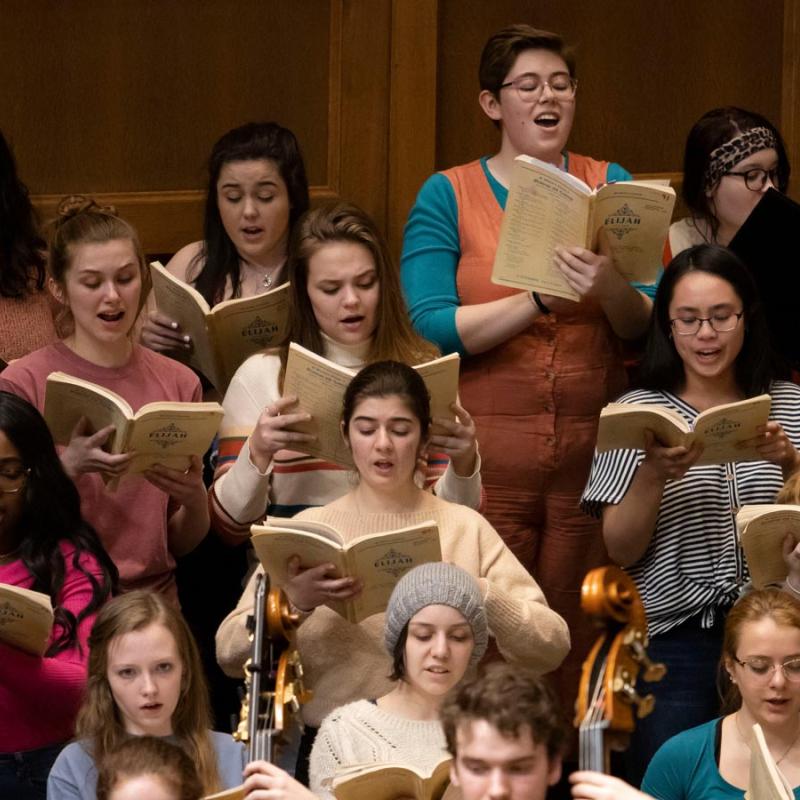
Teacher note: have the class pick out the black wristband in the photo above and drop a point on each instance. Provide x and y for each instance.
(539, 304)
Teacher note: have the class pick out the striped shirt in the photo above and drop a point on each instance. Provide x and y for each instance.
(693, 564)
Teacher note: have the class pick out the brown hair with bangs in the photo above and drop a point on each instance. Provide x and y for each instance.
(99, 719)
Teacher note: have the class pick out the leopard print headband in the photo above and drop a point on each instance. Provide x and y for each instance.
(727, 155)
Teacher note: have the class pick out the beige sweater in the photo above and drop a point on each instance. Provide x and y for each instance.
(345, 662)
(362, 733)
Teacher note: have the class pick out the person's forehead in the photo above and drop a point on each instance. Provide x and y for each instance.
(479, 738)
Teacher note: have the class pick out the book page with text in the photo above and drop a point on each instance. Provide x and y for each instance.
(543, 211)
(319, 386)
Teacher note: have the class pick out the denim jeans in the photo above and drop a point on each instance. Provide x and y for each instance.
(687, 695)
(23, 776)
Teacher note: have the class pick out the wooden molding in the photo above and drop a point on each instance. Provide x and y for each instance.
(412, 111)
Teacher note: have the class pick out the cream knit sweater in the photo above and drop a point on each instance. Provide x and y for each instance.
(345, 662)
(361, 733)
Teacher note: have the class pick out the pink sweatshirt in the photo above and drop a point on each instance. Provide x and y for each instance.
(39, 697)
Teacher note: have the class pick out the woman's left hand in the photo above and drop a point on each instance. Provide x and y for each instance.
(590, 274)
(459, 443)
(265, 781)
(185, 488)
(774, 445)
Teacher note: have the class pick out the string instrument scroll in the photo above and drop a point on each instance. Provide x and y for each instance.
(607, 701)
(273, 674)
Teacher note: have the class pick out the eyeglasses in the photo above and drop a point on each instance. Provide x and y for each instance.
(761, 669)
(755, 179)
(12, 476)
(530, 87)
(721, 323)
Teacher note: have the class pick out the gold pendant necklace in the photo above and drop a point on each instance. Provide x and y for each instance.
(747, 744)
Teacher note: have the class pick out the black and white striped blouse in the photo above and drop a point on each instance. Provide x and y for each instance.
(693, 564)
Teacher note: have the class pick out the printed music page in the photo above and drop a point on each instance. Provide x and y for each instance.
(544, 211)
(762, 530)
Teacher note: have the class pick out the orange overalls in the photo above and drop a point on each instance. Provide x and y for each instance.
(536, 399)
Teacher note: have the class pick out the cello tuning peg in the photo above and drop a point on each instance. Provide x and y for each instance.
(653, 670)
(644, 705)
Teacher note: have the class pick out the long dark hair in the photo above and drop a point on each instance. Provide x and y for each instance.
(51, 516)
(662, 367)
(218, 259)
(21, 246)
(712, 130)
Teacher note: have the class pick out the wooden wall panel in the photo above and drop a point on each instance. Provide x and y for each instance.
(647, 71)
(124, 105)
(123, 100)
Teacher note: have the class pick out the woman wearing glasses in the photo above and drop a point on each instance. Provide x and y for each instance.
(671, 523)
(761, 670)
(732, 157)
(45, 546)
(536, 369)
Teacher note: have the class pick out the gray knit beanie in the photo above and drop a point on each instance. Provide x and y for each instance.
(431, 584)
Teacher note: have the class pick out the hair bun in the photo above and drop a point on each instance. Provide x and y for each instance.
(75, 204)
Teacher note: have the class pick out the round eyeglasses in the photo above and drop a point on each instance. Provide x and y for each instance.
(12, 477)
(530, 87)
(760, 669)
(755, 179)
(720, 323)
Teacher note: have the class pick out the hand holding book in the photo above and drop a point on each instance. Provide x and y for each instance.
(309, 587)
(274, 431)
(163, 334)
(669, 463)
(774, 445)
(85, 453)
(457, 440)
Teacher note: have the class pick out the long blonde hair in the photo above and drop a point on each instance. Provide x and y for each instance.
(99, 719)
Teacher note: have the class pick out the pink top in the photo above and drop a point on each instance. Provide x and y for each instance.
(40, 697)
(131, 521)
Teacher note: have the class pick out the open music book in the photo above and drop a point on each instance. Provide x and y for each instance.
(391, 781)
(166, 432)
(320, 386)
(766, 781)
(721, 429)
(222, 337)
(378, 559)
(26, 618)
(549, 208)
(762, 529)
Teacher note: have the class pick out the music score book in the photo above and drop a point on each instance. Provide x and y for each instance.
(722, 429)
(762, 529)
(766, 781)
(549, 208)
(320, 386)
(222, 337)
(379, 560)
(167, 432)
(391, 781)
(26, 618)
